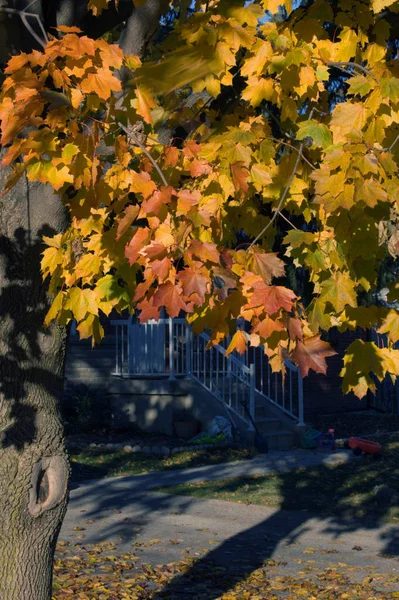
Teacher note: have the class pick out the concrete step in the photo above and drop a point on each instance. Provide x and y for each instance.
(280, 440)
(88, 354)
(266, 424)
(79, 365)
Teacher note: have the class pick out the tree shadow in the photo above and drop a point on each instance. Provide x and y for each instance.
(23, 306)
(321, 505)
(296, 518)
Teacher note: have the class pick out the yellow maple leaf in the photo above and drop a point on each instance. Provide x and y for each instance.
(81, 302)
(346, 117)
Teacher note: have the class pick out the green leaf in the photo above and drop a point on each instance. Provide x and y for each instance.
(319, 133)
(339, 290)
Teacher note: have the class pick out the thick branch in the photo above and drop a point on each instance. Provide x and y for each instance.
(141, 26)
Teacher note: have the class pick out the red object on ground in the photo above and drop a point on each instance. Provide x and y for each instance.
(364, 446)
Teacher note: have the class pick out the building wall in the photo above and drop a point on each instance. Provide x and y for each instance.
(322, 393)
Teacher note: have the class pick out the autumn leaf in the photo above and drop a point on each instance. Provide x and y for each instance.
(295, 329)
(267, 326)
(91, 327)
(238, 342)
(193, 282)
(125, 222)
(267, 265)
(272, 298)
(142, 183)
(102, 83)
(145, 102)
(319, 133)
(68, 29)
(55, 308)
(205, 251)
(339, 289)
(97, 6)
(81, 302)
(171, 156)
(240, 176)
(169, 295)
(133, 248)
(312, 354)
(362, 359)
(390, 326)
(148, 310)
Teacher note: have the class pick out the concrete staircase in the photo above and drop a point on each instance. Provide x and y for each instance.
(89, 371)
(280, 431)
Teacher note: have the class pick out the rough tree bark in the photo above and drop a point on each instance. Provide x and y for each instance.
(33, 463)
(34, 470)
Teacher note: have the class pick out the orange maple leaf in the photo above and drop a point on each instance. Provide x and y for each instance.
(139, 239)
(193, 282)
(265, 264)
(145, 102)
(205, 251)
(169, 295)
(131, 213)
(272, 297)
(239, 176)
(267, 326)
(102, 83)
(154, 203)
(312, 354)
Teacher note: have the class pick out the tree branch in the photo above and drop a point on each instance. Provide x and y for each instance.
(23, 15)
(393, 144)
(311, 165)
(342, 64)
(141, 26)
(131, 135)
(282, 199)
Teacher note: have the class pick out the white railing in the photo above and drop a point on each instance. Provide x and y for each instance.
(226, 377)
(168, 347)
(152, 348)
(282, 390)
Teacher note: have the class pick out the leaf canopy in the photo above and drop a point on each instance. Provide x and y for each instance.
(268, 123)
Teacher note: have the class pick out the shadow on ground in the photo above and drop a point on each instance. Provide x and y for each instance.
(322, 496)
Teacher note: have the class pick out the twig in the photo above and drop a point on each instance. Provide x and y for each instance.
(340, 65)
(287, 220)
(144, 149)
(283, 197)
(393, 144)
(293, 148)
(23, 15)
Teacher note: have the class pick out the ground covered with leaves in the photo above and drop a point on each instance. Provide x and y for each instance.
(86, 572)
(364, 488)
(93, 463)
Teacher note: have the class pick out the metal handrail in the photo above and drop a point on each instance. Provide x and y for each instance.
(169, 348)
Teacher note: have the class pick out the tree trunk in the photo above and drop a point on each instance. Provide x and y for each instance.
(33, 464)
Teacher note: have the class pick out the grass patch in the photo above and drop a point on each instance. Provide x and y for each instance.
(94, 463)
(346, 490)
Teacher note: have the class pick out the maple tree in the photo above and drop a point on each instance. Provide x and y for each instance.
(245, 117)
(153, 224)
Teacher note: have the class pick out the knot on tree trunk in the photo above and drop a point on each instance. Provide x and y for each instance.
(49, 483)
